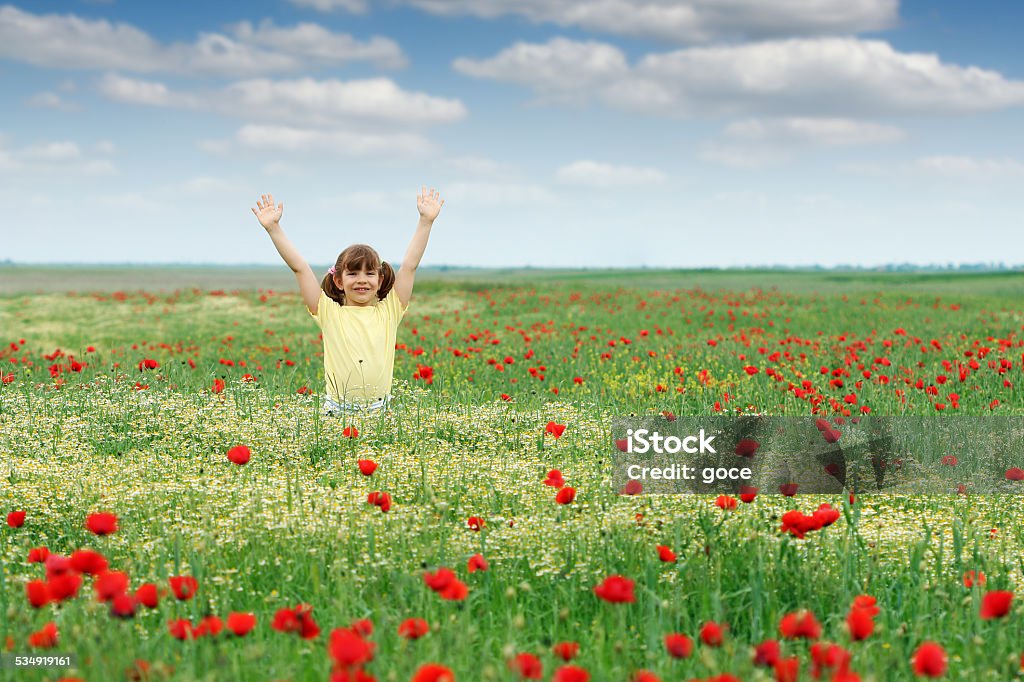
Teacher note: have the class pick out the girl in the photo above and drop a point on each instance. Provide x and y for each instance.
(358, 306)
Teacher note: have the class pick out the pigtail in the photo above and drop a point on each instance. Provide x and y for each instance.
(331, 289)
(387, 280)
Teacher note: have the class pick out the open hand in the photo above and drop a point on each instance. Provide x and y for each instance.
(269, 215)
(427, 203)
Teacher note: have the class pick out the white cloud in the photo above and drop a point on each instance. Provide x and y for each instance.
(304, 101)
(52, 152)
(595, 174)
(69, 41)
(287, 139)
(683, 21)
(50, 100)
(496, 193)
(811, 77)
(56, 157)
(352, 6)
(105, 147)
(951, 167)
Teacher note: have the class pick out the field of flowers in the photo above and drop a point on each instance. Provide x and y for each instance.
(176, 508)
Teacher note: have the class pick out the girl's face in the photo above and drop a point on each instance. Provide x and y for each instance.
(360, 286)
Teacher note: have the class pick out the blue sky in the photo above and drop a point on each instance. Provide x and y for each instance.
(560, 132)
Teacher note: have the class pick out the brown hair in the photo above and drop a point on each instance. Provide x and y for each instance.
(357, 257)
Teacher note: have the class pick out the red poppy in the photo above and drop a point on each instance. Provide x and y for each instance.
(527, 666)
(413, 628)
(566, 650)
(148, 364)
(930, 660)
(554, 429)
(802, 624)
(996, 604)
(972, 577)
(826, 656)
(367, 466)
(475, 523)
(1015, 474)
(88, 561)
(565, 495)
(767, 653)
(860, 623)
(63, 586)
(217, 386)
(350, 432)
(109, 584)
(38, 555)
(456, 590)
(788, 489)
(16, 519)
(382, 500)
(433, 672)
(38, 593)
(180, 629)
(239, 454)
(477, 562)
(678, 645)
(788, 670)
(44, 638)
(554, 479)
(122, 605)
(644, 676)
(633, 487)
(571, 673)
(348, 649)
(241, 624)
(147, 595)
(616, 589)
(712, 634)
(183, 586)
(102, 523)
(666, 554)
(747, 447)
(210, 625)
(298, 620)
(949, 460)
(725, 502)
(748, 493)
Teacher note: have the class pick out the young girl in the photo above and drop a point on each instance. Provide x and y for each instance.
(358, 306)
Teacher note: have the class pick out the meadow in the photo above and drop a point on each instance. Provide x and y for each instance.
(472, 532)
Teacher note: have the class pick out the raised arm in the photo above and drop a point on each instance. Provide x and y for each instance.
(269, 216)
(428, 206)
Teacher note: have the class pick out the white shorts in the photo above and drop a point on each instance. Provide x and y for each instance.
(333, 409)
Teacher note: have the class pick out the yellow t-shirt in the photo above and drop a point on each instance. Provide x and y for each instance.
(359, 347)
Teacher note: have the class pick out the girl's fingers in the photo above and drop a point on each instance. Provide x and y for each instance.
(271, 200)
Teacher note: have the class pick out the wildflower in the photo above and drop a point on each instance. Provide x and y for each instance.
(616, 589)
(102, 523)
(239, 454)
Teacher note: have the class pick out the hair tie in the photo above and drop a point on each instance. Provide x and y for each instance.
(331, 271)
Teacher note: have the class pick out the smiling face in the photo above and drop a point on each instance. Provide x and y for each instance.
(360, 284)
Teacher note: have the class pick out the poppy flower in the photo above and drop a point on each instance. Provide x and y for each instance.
(527, 666)
(350, 432)
(109, 584)
(616, 589)
(217, 386)
(860, 624)
(413, 628)
(477, 562)
(798, 625)
(241, 624)
(38, 593)
(827, 656)
(367, 467)
(210, 625)
(1015, 474)
(183, 586)
(554, 479)
(565, 495)
(996, 604)
(433, 672)
(554, 429)
(382, 500)
(122, 605)
(298, 619)
(632, 487)
(63, 586)
(88, 561)
(930, 660)
(148, 363)
(16, 519)
(747, 447)
(239, 454)
(566, 650)
(147, 595)
(950, 460)
(102, 523)
(456, 590)
(972, 577)
(666, 554)
(767, 653)
(475, 523)
(725, 502)
(571, 673)
(788, 670)
(788, 489)
(37, 555)
(180, 629)
(44, 638)
(678, 645)
(644, 676)
(748, 493)
(831, 435)
(712, 634)
(348, 649)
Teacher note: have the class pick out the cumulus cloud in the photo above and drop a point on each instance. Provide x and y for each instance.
(596, 174)
(69, 41)
(815, 77)
(351, 6)
(62, 156)
(286, 139)
(958, 168)
(677, 21)
(50, 100)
